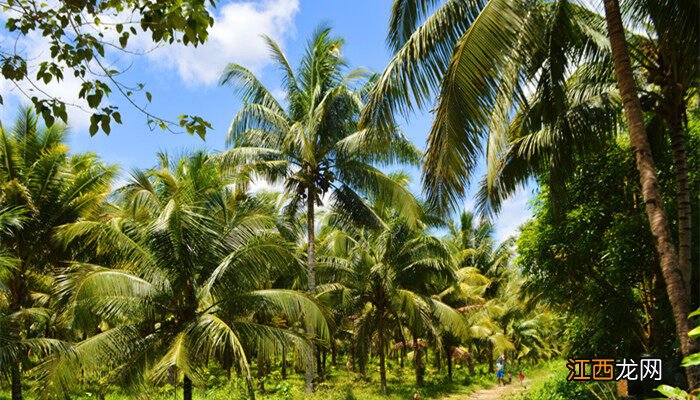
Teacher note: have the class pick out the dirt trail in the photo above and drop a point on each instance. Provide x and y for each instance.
(493, 393)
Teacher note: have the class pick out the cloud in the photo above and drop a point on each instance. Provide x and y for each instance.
(235, 37)
(514, 212)
(34, 48)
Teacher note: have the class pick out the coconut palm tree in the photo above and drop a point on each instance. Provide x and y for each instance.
(42, 187)
(530, 326)
(178, 276)
(669, 55)
(480, 274)
(654, 205)
(478, 56)
(313, 144)
(387, 276)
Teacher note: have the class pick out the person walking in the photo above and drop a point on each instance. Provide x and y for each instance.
(501, 370)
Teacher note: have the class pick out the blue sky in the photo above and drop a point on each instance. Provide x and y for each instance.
(183, 80)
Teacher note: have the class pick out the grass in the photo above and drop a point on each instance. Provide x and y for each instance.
(539, 377)
(339, 385)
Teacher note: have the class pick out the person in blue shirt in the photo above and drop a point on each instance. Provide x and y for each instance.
(501, 370)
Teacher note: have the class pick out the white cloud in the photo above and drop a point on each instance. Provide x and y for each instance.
(514, 212)
(235, 37)
(35, 48)
(258, 185)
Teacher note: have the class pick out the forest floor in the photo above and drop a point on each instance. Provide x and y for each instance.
(342, 385)
(537, 377)
(493, 393)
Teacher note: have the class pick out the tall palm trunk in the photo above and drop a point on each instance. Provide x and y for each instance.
(16, 383)
(18, 296)
(672, 273)
(418, 360)
(284, 362)
(470, 362)
(680, 164)
(311, 235)
(382, 361)
(448, 360)
(187, 388)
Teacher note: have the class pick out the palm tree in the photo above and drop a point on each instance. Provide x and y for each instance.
(669, 56)
(481, 267)
(313, 144)
(387, 276)
(478, 56)
(654, 205)
(178, 273)
(530, 326)
(42, 187)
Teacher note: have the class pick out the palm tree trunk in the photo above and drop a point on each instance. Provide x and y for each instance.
(284, 362)
(418, 360)
(448, 361)
(249, 385)
(311, 238)
(187, 388)
(16, 378)
(261, 374)
(685, 232)
(675, 287)
(310, 203)
(18, 296)
(334, 353)
(470, 365)
(319, 364)
(489, 354)
(382, 362)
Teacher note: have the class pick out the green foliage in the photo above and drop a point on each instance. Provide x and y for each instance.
(314, 144)
(589, 251)
(383, 279)
(80, 44)
(478, 57)
(42, 187)
(185, 280)
(558, 388)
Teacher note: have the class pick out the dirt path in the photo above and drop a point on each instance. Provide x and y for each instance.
(493, 393)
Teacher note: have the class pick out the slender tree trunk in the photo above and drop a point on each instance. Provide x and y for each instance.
(284, 362)
(311, 235)
(249, 385)
(319, 364)
(675, 286)
(418, 360)
(187, 388)
(16, 377)
(685, 232)
(324, 359)
(437, 360)
(311, 227)
(448, 361)
(334, 353)
(18, 297)
(261, 374)
(227, 364)
(382, 362)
